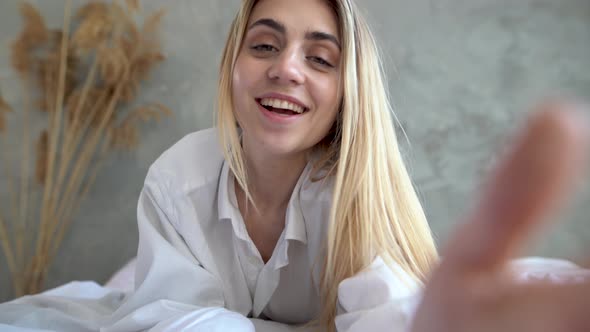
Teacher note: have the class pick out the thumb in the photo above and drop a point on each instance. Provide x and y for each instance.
(525, 188)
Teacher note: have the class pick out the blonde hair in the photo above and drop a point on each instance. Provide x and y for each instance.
(375, 209)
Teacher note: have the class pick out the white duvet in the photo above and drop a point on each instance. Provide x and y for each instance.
(87, 306)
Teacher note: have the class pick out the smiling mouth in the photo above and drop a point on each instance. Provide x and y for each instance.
(281, 107)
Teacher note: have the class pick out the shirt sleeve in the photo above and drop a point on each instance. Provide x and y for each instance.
(379, 298)
(173, 290)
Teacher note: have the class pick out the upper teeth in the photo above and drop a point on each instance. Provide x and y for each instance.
(277, 103)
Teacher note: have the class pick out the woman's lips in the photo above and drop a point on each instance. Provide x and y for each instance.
(280, 96)
(276, 117)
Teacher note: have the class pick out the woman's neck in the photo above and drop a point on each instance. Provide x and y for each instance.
(271, 179)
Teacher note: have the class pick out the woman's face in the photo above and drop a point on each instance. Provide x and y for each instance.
(286, 79)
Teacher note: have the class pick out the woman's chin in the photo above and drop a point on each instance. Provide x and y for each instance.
(284, 150)
(276, 144)
(280, 146)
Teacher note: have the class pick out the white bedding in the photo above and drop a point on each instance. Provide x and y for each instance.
(525, 269)
(123, 279)
(89, 304)
(548, 269)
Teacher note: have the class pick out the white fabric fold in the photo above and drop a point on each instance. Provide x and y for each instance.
(377, 299)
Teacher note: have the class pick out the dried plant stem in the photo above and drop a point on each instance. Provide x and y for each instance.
(67, 218)
(82, 128)
(24, 190)
(12, 267)
(9, 179)
(7, 243)
(87, 152)
(71, 136)
(30, 234)
(79, 131)
(39, 268)
(73, 129)
(7, 247)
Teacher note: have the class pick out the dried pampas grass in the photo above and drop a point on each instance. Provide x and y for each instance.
(86, 82)
(4, 108)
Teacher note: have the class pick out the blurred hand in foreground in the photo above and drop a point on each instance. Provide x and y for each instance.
(471, 290)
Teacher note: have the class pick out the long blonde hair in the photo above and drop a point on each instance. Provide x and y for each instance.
(375, 210)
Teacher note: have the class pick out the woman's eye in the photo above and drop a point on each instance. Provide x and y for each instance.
(264, 48)
(320, 61)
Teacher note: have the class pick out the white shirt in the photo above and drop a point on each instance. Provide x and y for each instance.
(192, 188)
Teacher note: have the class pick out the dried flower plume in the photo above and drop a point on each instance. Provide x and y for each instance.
(86, 81)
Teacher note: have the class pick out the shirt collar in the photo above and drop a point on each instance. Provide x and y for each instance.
(224, 205)
(295, 228)
(227, 206)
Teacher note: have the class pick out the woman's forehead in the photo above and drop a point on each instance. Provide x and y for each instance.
(299, 15)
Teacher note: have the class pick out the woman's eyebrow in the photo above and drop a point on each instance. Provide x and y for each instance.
(280, 27)
(320, 36)
(269, 22)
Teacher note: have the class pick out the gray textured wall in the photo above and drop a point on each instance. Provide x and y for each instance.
(462, 75)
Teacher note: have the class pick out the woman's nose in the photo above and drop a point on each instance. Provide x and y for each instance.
(287, 69)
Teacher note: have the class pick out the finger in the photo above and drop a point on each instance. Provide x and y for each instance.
(526, 187)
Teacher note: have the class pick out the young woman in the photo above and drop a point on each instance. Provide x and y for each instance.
(297, 210)
(298, 206)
